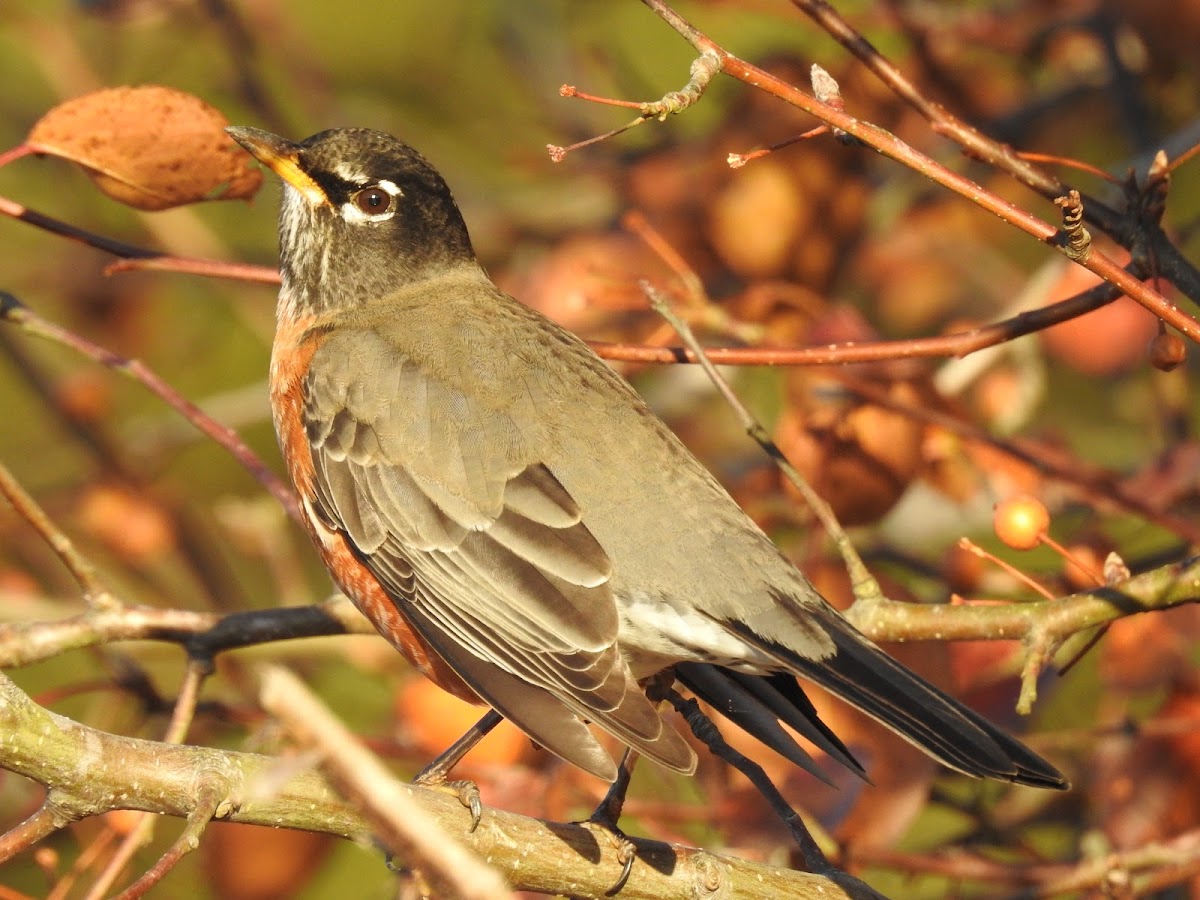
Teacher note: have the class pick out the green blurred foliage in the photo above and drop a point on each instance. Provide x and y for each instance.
(474, 84)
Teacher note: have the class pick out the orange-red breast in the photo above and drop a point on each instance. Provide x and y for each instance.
(509, 513)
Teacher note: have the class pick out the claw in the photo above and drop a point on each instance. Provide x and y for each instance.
(626, 851)
(467, 793)
(626, 854)
(468, 796)
(435, 774)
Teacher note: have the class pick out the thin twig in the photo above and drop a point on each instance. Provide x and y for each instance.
(864, 584)
(207, 804)
(976, 145)
(1101, 487)
(84, 862)
(207, 801)
(203, 634)
(46, 820)
(21, 213)
(133, 840)
(892, 147)
(957, 344)
(242, 53)
(14, 311)
(404, 828)
(134, 258)
(704, 68)
(1008, 568)
(95, 593)
(208, 268)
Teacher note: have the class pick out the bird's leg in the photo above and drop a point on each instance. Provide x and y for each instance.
(608, 812)
(605, 817)
(436, 771)
(435, 774)
(703, 728)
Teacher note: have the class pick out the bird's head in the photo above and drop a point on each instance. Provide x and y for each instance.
(362, 215)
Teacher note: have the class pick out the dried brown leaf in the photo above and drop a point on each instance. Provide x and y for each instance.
(149, 147)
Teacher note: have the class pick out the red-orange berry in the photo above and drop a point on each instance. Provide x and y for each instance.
(1021, 521)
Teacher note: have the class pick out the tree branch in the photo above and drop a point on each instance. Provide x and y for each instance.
(88, 772)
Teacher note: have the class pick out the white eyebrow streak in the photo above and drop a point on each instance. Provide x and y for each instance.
(347, 172)
(391, 187)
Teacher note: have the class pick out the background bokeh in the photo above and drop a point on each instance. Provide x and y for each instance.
(814, 243)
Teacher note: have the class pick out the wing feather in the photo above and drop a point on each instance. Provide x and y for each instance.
(569, 553)
(481, 547)
(536, 495)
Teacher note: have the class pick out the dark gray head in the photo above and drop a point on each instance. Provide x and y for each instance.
(362, 215)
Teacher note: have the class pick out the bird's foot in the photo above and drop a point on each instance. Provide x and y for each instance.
(467, 793)
(436, 774)
(626, 851)
(604, 820)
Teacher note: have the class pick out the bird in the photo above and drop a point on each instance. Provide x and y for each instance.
(510, 514)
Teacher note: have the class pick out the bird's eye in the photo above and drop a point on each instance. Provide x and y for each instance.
(373, 201)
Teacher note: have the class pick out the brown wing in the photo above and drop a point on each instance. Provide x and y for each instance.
(479, 545)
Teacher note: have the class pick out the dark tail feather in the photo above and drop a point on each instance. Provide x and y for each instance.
(788, 701)
(781, 697)
(866, 677)
(729, 694)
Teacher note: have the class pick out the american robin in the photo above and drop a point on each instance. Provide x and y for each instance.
(510, 514)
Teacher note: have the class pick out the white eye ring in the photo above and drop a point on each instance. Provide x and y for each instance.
(376, 202)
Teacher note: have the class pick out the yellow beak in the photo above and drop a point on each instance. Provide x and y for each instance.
(281, 156)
